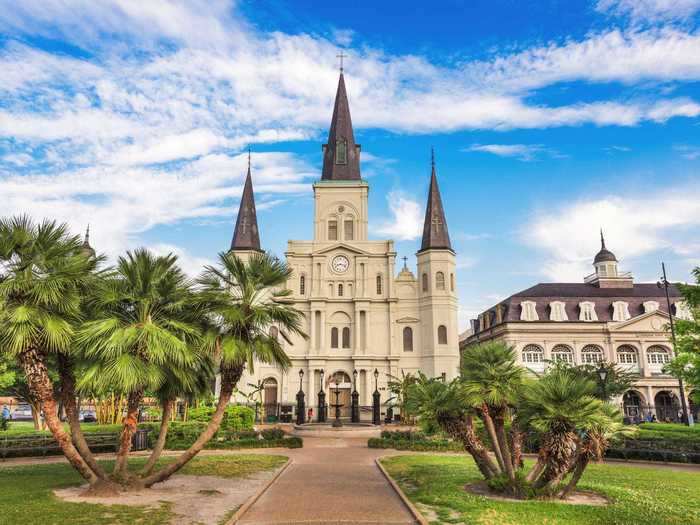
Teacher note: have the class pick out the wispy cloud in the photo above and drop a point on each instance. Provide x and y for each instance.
(407, 221)
(650, 10)
(688, 152)
(524, 152)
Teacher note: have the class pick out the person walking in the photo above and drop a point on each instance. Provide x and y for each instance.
(6, 413)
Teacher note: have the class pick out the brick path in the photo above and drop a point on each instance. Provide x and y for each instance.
(330, 481)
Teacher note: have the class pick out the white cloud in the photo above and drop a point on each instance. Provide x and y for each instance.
(524, 152)
(651, 10)
(407, 221)
(688, 152)
(190, 264)
(633, 225)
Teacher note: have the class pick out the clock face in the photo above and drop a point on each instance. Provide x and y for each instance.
(340, 264)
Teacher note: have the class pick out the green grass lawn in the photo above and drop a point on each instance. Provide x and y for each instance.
(26, 492)
(639, 495)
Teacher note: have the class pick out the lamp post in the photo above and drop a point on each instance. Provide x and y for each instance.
(355, 406)
(301, 406)
(663, 283)
(321, 402)
(603, 374)
(337, 423)
(375, 400)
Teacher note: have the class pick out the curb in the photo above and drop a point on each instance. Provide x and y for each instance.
(411, 507)
(244, 508)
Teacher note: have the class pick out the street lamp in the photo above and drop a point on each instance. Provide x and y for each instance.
(663, 283)
(603, 374)
(301, 406)
(376, 399)
(321, 402)
(376, 376)
(301, 378)
(355, 400)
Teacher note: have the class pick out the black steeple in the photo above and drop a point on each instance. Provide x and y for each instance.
(246, 236)
(435, 234)
(86, 248)
(341, 156)
(604, 255)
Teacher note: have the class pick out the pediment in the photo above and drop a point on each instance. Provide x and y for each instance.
(407, 319)
(342, 246)
(649, 322)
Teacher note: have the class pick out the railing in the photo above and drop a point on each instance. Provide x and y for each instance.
(634, 414)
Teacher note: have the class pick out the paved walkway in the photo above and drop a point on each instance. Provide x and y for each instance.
(330, 481)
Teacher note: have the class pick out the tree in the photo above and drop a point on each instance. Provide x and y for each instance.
(686, 363)
(559, 409)
(400, 387)
(617, 380)
(42, 273)
(145, 332)
(246, 299)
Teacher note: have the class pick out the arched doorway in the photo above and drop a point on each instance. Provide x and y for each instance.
(270, 399)
(342, 381)
(632, 406)
(667, 406)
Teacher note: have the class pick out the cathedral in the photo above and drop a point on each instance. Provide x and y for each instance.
(365, 323)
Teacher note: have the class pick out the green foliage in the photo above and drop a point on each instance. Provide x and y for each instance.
(418, 445)
(4, 423)
(491, 376)
(638, 496)
(617, 381)
(686, 364)
(401, 387)
(272, 433)
(236, 418)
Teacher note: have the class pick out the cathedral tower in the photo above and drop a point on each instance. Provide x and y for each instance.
(246, 238)
(437, 295)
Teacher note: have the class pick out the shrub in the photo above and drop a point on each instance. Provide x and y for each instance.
(4, 423)
(236, 418)
(272, 433)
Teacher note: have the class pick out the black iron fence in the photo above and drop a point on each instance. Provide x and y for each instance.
(634, 414)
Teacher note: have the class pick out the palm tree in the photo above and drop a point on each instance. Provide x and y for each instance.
(247, 299)
(400, 387)
(145, 330)
(442, 404)
(491, 383)
(42, 272)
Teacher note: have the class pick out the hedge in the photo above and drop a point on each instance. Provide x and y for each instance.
(236, 418)
(418, 445)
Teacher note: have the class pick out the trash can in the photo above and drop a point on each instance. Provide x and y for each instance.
(139, 440)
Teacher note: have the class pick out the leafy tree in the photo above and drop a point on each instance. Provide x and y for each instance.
(246, 299)
(400, 387)
(686, 364)
(617, 381)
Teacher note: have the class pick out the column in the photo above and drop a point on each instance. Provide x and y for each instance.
(357, 336)
(313, 344)
(643, 363)
(367, 333)
(322, 341)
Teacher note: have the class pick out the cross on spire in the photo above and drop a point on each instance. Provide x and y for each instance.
(248, 159)
(405, 264)
(341, 56)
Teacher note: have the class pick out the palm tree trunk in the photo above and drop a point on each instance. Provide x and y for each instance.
(162, 435)
(463, 431)
(500, 427)
(39, 382)
(561, 448)
(581, 464)
(516, 445)
(491, 429)
(65, 372)
(229, 379)
(130, 422)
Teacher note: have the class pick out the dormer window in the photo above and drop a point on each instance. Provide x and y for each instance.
(557, 311)
(621, 311)
(587, 311)
(341, 151)
(650, 306)
(528, 311)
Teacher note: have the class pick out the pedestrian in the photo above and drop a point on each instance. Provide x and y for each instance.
(310, 414)
(6, 413)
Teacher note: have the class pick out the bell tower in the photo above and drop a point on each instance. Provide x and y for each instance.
(437, 293)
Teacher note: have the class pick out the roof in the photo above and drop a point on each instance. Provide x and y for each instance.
(341, 134)
(435, 233)
(245, 234)
(604, 255)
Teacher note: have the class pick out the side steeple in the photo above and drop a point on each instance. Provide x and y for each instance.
(435, 234)
(341, 156)
(245, 235)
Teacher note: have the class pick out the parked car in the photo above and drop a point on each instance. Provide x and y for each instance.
(22, 413)
(88, 416)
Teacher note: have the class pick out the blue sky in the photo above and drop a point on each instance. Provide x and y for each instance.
(549, 120)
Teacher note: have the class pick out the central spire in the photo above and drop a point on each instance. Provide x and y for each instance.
(246, 236)
(341, 156)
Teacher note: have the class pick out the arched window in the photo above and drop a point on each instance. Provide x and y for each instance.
(332, 230)
(627, 355)
(408, 339)
(440, 281)
(658, 355)
(274, 332)
(424, 279)
(346, 337)
(533, 354)
(334, 337)
(563, 353)
(379, 284)
(591, 355)
(341, 151)
(340, 290)
(452, 282)
(442, 334)
(302, 285)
